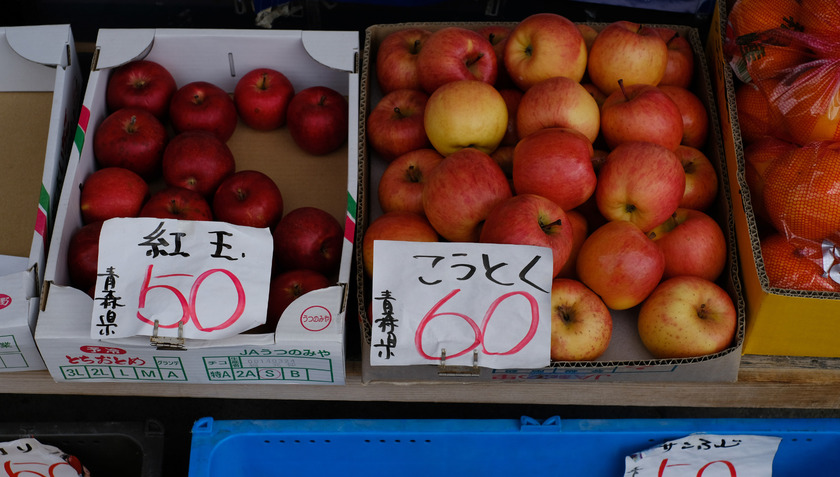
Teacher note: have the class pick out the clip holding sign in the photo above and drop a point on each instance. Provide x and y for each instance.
(449, 370)
(168, 343)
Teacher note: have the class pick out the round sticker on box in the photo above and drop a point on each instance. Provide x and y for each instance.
(5, 300)
(315, 318)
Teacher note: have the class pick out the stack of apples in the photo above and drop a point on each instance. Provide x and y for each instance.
(786, 57)
(162, 152)
(551, 133)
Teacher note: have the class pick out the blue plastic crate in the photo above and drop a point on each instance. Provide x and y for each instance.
(574, 447)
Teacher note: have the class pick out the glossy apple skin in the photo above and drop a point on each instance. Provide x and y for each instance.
(498, 36)
(455, 53)
(402, 182)
(396, 225)
(249, 198)
(641, 112)
(285, 288)
(308, 237)
(694, 115)
(83, 256)
(687, 317)
(204, 106)
(679, 69)
(317, 120)
(620, 263)
(140, 84)
(112, 192)
(262, 97)
(580, 230)
(396, 59)
(693, 244)
(581, 324)
(177, 203)
(701, 178)
(197, 160)
(629, 51)
(395, 126)
(461, 191)
(131, 138)
(558, 102)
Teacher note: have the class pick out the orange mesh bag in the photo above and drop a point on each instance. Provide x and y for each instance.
(796, 264)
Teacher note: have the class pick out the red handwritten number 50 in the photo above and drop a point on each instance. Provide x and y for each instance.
(478, 331)
(188, 307)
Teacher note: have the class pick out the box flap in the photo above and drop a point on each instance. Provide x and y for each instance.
(330, 48)
(123, 46)
(41, 43)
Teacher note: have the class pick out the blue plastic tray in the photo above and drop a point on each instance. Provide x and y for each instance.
(574, 447)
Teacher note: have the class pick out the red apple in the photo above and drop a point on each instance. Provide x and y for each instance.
(131, 138)
(701, 178)
(589, 33)
(529, 219)
(401, 184)
(83, 256)
(679, 69)
(203, 106)
(694, 116)
(177, 203)
(310, 238)
(112, 192)
(461, 191)
(542, 46)
(580, 230)
(455, 53)
(396, 225)
(317, 119)
(558, 102)
(555, 163)
(249, 198)
(287, 287)
(140, 84)
(497, 35)
(396, 59)
(395, 126)
(503, 155)
(197, 160)
(641, 112)
(620, 263)
(596, 94)
(581, 324)
(641, 182)
(693, 244)
(687, 317)
(261, 98)
(628, 51)
(512, 99)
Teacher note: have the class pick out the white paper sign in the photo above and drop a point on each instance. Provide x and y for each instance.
(212, 277)
(457, 298)
(706, 455)
(30, 458)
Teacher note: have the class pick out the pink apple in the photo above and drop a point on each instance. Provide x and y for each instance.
(396, 59)
(701, 178)
(581, 324)
(679, 69)
(396, 225)
(596, 94)
(641, 112)
(693, 244)
(580, 230)
(558, 102)
(512, 99)
(203, 106)
(83, 256)
(177, 203)
(262, 97)
(197, 160)
(131, 138)
(503, 155)
(455, 53)
(687, 317)
(589, 33)
(498, 35)
(112, 192)
(542, 46)
(401, 184)
(249, 198)
(620, 263)
(628, 51)
(395, 126)
(694, 115)
(140, 84)
(555, 163)
(308, 237)
(317, 120)
(461, 191)
(641, 182)
(529, 219)
(287, 287)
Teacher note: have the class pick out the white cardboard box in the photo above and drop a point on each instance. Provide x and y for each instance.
(294, 354)
(40, 94)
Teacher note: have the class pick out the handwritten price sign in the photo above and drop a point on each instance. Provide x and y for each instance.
(461, 298)
(29, 458)
(211, 278)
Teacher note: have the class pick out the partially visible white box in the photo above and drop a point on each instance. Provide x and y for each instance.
(40, 94)
(297, 352)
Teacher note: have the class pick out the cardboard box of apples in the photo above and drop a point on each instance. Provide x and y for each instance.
(598, 141)
(777, 85)
(256, 130)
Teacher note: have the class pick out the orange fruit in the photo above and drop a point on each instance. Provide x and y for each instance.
(752, 16)
(794, 264)
(758, 156)
(802, 193)
(820, 17)
(810, 103)
(757, 116)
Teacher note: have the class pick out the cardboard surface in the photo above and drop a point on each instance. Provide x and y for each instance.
(626, 359)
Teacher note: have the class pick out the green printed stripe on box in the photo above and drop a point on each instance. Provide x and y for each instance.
(81, 129)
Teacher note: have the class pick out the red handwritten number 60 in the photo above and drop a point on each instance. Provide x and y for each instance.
(478, 331)
(188, 307)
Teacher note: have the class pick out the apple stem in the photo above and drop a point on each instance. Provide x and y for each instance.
(263, 81)
(676, 34)
(413, 173)
(132, 124)
(621, 87)
(416, 49)
(475, 60)
(398, 112)
(547, 227)
(701, 313)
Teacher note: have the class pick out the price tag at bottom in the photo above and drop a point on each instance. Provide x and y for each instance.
(460, 298)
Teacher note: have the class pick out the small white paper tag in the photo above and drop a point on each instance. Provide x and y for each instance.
(212, 277)
(28, 457)
(457, 298)
(706, 455)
